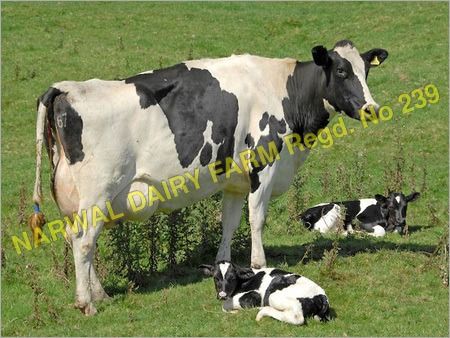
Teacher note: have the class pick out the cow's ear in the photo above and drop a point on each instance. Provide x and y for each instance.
(380, 198)
(375, 57)
(320, 56)
(244, 273)
(208, 270)
(412, 197)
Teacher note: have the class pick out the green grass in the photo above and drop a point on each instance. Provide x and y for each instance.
(387, 287)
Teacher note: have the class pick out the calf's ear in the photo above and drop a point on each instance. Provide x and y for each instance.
(320, 56)
(380, 198)
(412, 197)
(244, 273)
(375, 57)
(208, 270)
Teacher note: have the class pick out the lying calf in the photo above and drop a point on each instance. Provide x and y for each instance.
(375, 215)
(280, 294)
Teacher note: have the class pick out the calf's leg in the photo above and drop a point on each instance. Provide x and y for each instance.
(283, 308)
(288, 316)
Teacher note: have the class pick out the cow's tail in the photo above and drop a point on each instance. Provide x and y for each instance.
(37, 220)
(40, 125)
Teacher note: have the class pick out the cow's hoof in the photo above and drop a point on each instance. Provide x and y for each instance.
(86, 309)
(258, 266)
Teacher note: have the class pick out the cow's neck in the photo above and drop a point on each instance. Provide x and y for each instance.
(304, 107)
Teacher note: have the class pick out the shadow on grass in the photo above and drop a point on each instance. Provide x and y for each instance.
(188, 273)
(349, 246)
(181, 274)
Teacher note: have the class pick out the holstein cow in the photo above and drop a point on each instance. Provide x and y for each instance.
(281, 295)
(375, 215)
(178, 128)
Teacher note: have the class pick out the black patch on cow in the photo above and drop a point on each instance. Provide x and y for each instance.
(48, 97)
(253, 283)
(279, 282)
(249, 141)
(351, 210)
(206, 154)
(275, 127)
(263, 122)
(317, 305)
(276, 272)
(303, 107)
(70, 127)
(250, 299)
(190, 98)
(312, 215)
(371, 216)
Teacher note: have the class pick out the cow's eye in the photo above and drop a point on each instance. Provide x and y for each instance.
(341, 73)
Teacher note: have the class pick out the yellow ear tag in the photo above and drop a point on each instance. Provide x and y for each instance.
(375, 61)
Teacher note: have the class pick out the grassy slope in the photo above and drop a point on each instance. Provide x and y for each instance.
(381, 287)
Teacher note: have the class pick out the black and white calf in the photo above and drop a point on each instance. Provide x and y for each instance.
(279, 294)
(375, 215)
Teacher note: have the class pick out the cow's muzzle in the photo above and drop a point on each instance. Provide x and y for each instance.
(222, 295)
(369, 111)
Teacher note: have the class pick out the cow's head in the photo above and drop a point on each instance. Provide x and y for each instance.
(398, 204)
(346, 73)
(227, 277)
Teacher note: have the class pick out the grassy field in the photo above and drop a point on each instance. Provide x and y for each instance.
(391, 286)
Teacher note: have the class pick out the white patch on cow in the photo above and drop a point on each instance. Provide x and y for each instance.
(378, 231)
(365, 203)
(397, 198)
(264, 285)
(329, 221)
(224, 268)
(351, 54)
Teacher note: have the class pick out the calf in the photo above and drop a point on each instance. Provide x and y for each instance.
(279, 294)
(375, 215)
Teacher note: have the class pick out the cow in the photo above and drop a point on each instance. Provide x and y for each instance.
(181, 127)
(279, 294)
(376, 215)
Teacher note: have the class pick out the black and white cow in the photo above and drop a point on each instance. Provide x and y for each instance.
(281, 295)
(375, 215)
(179, 127)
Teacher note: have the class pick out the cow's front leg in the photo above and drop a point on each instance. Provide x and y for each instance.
(231, 217)
(258, 202)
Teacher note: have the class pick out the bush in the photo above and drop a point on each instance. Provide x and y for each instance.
(133, 251)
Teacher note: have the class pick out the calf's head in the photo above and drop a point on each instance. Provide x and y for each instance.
(227, 277)
(346, 72)
(398, 204)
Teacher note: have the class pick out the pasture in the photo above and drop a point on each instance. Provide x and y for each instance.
(390, 286)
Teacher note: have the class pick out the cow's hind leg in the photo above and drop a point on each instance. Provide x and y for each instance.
(83, 246)
(231, 217)
(97, 291)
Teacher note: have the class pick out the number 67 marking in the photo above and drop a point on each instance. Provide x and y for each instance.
(61, 120)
